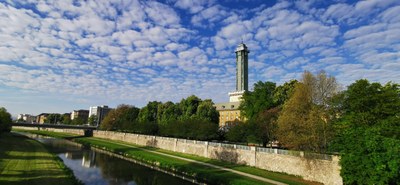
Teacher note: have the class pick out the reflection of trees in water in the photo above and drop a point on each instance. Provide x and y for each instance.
(119, 171)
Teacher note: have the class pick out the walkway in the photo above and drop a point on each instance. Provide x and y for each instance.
(207, 164)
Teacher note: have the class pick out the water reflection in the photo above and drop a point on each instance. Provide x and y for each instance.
(97, 168)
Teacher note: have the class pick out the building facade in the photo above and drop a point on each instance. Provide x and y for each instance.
(229, 113)
(41, 118)
(82, 114)
(26, 118)
(100, 112)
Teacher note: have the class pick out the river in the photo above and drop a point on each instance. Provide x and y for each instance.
(97, 167)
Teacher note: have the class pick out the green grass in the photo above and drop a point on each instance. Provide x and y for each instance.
(199, 171)
(48, 133)
(27, 161)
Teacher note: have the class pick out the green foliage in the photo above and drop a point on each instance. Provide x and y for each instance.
(78, 121)
(92, 120)
(5, 120)
(53, 118)
(206, 111)
(190, 129)
(149, 112)
(122, 118)
(189, 107)
(262, 98)
(237, 133)
(66, 119)
(368, 133)
(283, 92)
(167, 112)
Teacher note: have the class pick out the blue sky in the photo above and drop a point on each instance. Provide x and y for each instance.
(57, 56)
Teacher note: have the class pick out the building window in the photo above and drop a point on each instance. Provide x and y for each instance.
(232, 106)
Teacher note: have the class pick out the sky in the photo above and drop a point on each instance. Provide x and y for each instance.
(59, 56)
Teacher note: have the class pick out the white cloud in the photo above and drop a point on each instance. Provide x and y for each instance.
(193, 6)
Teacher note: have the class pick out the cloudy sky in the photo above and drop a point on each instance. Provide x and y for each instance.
(56, 56)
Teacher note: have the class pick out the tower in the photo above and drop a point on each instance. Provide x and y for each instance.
(229, 113)
(242, 73)
(242, 61)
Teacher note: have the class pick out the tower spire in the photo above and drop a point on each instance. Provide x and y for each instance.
(242, 61)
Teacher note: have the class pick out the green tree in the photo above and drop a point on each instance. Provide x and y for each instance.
(189, 107)
(5, 120)
(368, 133)
(237, 133)
(93, 120)
(123, 118)
(149, 112)
(66, 119)
(78, 121)
(283, 92)
(167, 112)
(264, 126)
(53, 118)
(207, 111)
(304, 123)
(262, 98)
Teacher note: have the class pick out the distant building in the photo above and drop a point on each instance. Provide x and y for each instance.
(26, 118)
(100, 112)
(83, 114)
(41, 118)
(229, 113)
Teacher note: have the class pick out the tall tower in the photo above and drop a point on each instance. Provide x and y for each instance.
(242, 60)
(242, 73)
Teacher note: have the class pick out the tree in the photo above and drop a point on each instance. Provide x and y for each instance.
(53, 118)
(78, 121)
(66, 119)
(259, 100)
(124, 118)
(237, 133)
(304, 122)
(149, 112)
(368, 133)
(266, 125)
(189, 107)
(5, 120)
(207, 111)
(167, 112)
(283, 92)
(92, 120)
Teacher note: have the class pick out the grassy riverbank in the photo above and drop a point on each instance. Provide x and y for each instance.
(26, 161)
(208, 174)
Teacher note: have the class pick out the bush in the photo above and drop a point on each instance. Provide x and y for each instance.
(5, 120)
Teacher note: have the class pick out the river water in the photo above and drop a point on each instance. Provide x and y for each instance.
(96, 167)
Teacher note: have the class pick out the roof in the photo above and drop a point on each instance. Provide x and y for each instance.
(227, 106)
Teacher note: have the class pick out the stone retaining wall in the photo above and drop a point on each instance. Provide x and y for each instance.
(319, 170)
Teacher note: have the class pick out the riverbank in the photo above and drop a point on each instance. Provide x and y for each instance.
(26, 161)
(207, 170)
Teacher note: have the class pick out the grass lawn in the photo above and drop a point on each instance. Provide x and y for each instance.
(215, 176)
(26, 161)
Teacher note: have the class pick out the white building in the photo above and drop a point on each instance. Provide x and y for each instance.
(99, 111)
(26, 118)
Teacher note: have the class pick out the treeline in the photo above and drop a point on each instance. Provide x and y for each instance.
(55, 118)
(362, 123)
(191, 118)
(5, 120)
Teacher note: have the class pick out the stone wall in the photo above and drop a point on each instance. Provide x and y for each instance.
(320, 170)
(326, 171)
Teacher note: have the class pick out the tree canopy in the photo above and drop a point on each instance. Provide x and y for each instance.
(304, 122)
(5, 120)
(368, 133)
